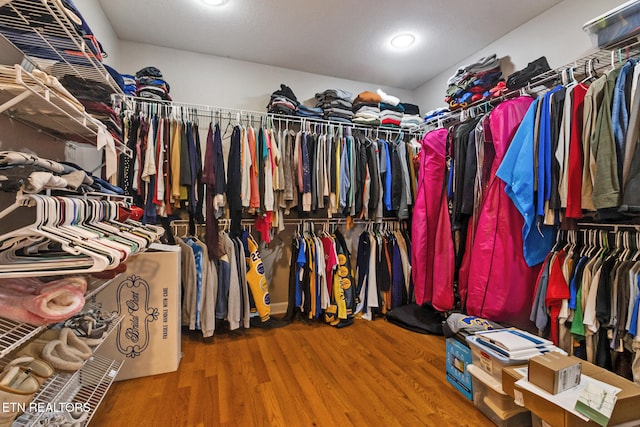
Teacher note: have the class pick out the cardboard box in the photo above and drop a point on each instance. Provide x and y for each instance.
(554, 372)
(625, 411)
(148, 296)
(458, 359)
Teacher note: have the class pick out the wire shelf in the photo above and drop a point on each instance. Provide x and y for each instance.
(15, 334)
(45, 33)
(85, 388)
(598, 60)
(95, 286)
(28, 99)
(87, 385)
(132, 103)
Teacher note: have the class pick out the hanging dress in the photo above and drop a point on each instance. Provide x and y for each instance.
(425, 212)
(500, 286)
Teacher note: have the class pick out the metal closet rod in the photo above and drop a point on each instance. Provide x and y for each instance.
(303, 120)
(208, 111)
(608, 227)
(200, 108)
(340, 220)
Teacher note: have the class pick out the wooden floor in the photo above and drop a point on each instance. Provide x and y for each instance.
(368, 374)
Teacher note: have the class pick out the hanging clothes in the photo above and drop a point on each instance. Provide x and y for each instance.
(501, 285)
(426, 212)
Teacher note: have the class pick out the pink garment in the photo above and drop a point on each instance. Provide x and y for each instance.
(444, 261)
(426, 211)
(500, 285)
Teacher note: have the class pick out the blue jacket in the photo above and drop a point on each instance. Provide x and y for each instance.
(516, 170)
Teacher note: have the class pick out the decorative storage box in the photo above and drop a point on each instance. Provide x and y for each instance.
(148, 296)
(616, 25)
(458, 359)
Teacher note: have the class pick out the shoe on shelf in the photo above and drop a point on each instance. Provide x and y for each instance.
(17, 388)
(40, 369)
(68, 352)
(91, 325)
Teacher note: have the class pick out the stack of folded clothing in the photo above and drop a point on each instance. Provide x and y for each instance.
(106, 115)
(96, 99)
(336, 104)
(472, 82)
(310, 112)
(283, 101)
(411, 117)
(390, 115)
(366, 109)
(129, 84)
(149, 84)
(435, 113)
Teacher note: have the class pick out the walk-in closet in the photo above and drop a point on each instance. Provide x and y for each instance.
(238, 212)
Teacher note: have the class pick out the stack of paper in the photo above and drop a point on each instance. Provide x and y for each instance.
(515, 343)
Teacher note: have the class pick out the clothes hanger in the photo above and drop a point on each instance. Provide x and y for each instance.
(82, 257)
(51, 225)
(99, 212)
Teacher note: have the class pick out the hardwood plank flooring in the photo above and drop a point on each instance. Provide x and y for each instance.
(370, 373)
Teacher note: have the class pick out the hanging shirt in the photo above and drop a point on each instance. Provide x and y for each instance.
(234, 312)
(306, 172)
(574, 181)
(335, 197)
(199, 262)
(245, 188)
(606, 185)
(257, 280)
(352, 168)
(149, 167)
(176, 147)
(254, 200)
(544, 155)
(592, 101)
(557, 290)
(159, 194)
(620, 113)
(301, 260)
(362, 271)
(556, 111)
(385, 170)
(234, 180)
(516, 170)
(564, 140)
(345, 177)
(289, 167)
(268, 174)
(220, 185)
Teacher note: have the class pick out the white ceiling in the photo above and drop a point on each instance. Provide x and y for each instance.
(341, 38)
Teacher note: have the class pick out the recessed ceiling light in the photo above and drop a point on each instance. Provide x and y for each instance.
(214, 2)
(403, 41)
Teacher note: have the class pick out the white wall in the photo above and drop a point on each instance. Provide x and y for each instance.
(213, 80)
(556, 34)
(94, 15)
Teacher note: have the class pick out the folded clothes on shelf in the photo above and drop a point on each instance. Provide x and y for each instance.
(32, 174)
(283, 101)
